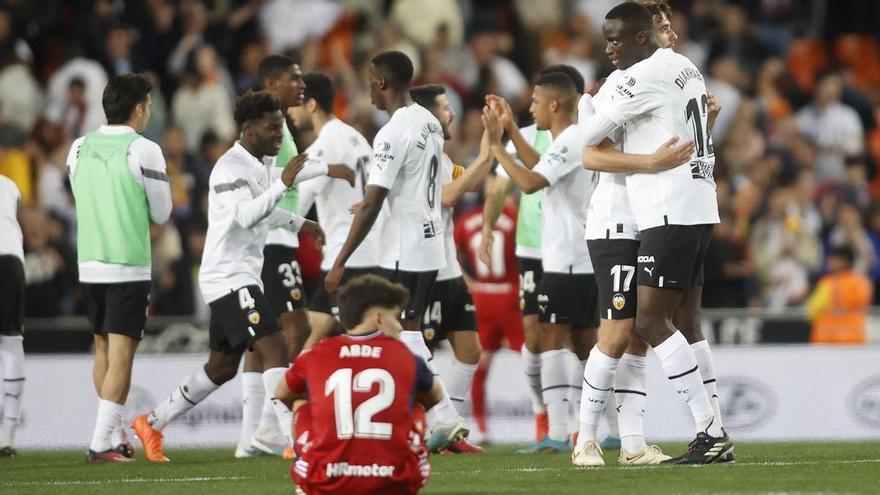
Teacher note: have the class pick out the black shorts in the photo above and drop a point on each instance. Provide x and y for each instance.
(451, 309)
(614, 261)
(569, 298)
(11, 294)
(530, 273)
(671, 256)
(119, 308)
(419, 284)
(282, 279)
(321, 302)
(239, 319)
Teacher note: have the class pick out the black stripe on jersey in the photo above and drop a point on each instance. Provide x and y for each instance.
(709, 381)
(688, 372)
(13, 379)
(599, 389)
(624, 391)
(154, 174)
(230, 186)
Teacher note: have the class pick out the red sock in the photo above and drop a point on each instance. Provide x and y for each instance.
(478, 396)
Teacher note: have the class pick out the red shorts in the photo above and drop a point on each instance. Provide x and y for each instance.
(313, 475)
(498, 318)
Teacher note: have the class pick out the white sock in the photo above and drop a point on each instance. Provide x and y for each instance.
(12, 355)
(610, 414)
(680, 366)
(107, 419)
(707, 370)
(120, 435)
(459, 383)
(192, 390)
(252, 398)
(415, 341)
(531, 364)
(598, 381)
(554, 378)
(575, 384)
(444, 413)
(283, 415)
(630, 390)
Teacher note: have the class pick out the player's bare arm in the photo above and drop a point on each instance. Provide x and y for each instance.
(527, 155)
(527, 180)
(471, 178)
(605, 158)
(430, 398)
(341, 171)
(714, 108)
(360, 227)
(492, 208)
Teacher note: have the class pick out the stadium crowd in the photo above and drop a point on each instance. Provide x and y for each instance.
(797, 142)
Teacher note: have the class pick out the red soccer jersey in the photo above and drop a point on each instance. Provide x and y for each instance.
(502, 269)
(362, 434)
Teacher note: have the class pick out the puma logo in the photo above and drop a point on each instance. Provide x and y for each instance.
(649, 270)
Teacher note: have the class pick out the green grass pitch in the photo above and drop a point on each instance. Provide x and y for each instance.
(761, 468)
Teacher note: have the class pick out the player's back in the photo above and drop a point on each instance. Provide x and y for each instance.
(502, 258)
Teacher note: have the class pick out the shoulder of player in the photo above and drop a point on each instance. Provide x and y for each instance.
(230, 164)
(7, 183)
(571, 138)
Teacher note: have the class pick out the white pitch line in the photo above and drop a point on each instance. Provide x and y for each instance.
(194, 479)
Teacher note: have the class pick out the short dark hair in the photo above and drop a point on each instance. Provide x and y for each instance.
(634, 16)
(365, 292)
(253, 105)
(320, 88)
(845, 252)
(426, 94)
(556, 80)
(272, 67)
(396, 67)
(576, 77)
(122, 94)
(658, 8)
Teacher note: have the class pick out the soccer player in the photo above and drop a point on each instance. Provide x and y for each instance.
(241, 207)
(282, 281)
(663, 95)
(451, 312)
(11, 313)
(360, 431)
(407, 153)
(119, 182)
(336, 142)
(567, 293)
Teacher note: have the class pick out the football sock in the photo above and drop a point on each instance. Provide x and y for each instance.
(575, 390)
(554, 378)
(460, 378)
(119, 435)
(598, 379)
(192, 390)
(680, 366)
(252, 397)
(12, 355)
(629, 389)
(707, 370)
(610, 413)
(284, 416)
(106, 420)
(478, 397)
(416, 344)
(532, 367)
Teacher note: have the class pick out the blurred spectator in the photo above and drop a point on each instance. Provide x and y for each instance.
(49, 265)
(21, 98)
(202, 104)
(93, 79)
(839, 304)
(850, 232)
(118, 58)
(172, 292)
(726, 269)
(289, 23)
(420, 20)
(73, 113)
(487, 72)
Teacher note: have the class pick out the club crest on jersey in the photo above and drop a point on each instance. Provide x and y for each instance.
(618, 301)
(253, 316)
(429, 333)
(296, 294)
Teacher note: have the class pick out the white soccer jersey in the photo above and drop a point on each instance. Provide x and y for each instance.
(563, 247)
(339, 142)
(241, 207)
(453, 267)
(11, 240)
(657, 98)
(609, 215)
(407, 152)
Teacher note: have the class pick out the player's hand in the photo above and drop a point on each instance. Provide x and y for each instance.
(486, 242)
(355, 207)
(492, 125)
(313, 228)
(340, 171)
(714, 105)
(333, 278)
(293, 167)
(501, 108)
(670, 154)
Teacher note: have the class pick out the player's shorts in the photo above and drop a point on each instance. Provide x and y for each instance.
(671, 256)
(321, 302)
(499, 319)
(530, 273)
(569, 298)
(315, 477)
(11, 294)
(450, 309)
(614, 261)
(282, 279)
(119, 308)
(239, 319)
(419, 284)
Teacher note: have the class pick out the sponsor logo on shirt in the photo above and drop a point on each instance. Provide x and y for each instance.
(622, 90)
(629, 81)
(338, 469)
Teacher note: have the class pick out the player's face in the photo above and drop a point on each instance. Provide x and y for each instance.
(387, 321)
(621, 43)
(144, 119)
(376, 87)
(666, 37)
(540, 109)
(289, 87)
(445, 114)
(300, 115)
(267, 133)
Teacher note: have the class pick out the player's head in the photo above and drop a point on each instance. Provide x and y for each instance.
(841, 258)
(628, 32)
(127, 100)
(258, 114)
(662, 14)
(390, 72)
(317, 100)
(433, 97)
(282, 76)
(569, 71)
(554, 94)
(370, 302)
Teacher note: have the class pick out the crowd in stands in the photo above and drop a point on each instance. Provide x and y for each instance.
(797, 143)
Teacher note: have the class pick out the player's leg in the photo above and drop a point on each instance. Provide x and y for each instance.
(530, 273)
(460, 324)
(581, 340)
(555, 373)
(491, 333)
(274, 354)
(12, 291)
(252, 400)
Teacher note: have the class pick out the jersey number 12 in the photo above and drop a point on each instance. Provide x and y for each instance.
(359, 423)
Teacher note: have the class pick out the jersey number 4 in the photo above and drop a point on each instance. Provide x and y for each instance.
(359, 423)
